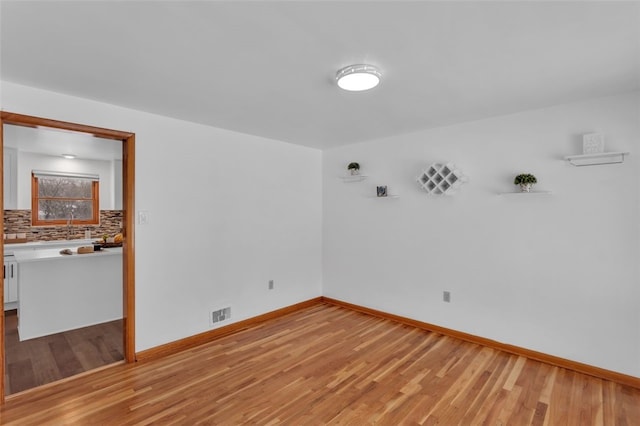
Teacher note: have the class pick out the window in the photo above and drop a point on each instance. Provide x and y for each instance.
(58, 197)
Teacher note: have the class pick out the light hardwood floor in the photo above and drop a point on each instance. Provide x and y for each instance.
(330, 365)
(43, 360)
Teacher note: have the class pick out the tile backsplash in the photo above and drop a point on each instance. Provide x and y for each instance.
(19, 221)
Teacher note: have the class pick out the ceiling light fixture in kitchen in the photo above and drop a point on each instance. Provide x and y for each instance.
(69, 156)
(356, 78)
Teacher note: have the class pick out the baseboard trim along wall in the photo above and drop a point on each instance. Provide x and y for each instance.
(209, 336)
(516, 350)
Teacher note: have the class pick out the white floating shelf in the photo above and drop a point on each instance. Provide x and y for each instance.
(388, 196)
(595, 159)
(353, 178)
(526, 193)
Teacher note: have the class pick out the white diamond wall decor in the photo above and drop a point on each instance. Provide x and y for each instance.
(441, 179)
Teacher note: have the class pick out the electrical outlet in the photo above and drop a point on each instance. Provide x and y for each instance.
(446, 296)
(270, 284)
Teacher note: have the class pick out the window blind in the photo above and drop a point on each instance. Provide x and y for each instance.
(45, 174)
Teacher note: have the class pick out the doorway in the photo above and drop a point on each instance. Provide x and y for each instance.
(128, 255)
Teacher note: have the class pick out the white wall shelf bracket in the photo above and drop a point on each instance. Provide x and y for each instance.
(353, 178)
(526, 193)
(596, 159)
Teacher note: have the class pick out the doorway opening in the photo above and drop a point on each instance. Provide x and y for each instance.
(125, 324)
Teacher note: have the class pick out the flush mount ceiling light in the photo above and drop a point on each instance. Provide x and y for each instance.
(356, 78)
(69, 156)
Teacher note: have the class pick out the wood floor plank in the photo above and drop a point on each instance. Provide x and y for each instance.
(21, 375)
(329, 365)
(65, 359)
(59, 355)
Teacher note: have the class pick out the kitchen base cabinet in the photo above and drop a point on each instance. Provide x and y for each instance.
(60, 293)
(10, 283)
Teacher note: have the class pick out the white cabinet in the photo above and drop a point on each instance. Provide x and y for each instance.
(117, 184)
(10, 282)
(60, 293)
(10, 169)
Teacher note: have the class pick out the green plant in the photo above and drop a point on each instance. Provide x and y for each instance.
(353, 166)
(524, 178)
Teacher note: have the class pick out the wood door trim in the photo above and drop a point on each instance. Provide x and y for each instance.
(579, 367)
(32, 121)
(128, 207)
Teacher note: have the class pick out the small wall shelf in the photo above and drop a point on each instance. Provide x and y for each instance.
(526, 193)
(388, 196)
(353, 178)
(596, 159)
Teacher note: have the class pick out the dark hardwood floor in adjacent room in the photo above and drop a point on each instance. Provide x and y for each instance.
(46, 359)
(330, 365)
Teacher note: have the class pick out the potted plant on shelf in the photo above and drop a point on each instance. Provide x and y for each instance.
(526, 181)
(353, 168)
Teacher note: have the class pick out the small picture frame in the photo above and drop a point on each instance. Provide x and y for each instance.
(593, 143)
(381, 191)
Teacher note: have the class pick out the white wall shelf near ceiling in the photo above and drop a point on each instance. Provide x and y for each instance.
(353, 178)
(386, 196)
(525, 193)
(595, 159)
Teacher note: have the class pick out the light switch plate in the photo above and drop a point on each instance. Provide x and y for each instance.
(143, 217)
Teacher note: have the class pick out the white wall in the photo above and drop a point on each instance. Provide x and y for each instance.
(557, 274)
(29, 161)
(227, 212)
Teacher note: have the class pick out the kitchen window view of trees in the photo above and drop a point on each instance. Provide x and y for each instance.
(62, 199)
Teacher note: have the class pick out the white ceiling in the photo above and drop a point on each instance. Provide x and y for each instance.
(267, 68)
(57, 142)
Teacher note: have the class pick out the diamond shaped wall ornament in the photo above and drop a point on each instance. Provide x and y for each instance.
(441, 179)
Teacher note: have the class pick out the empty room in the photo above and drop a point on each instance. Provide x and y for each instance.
(320, 212)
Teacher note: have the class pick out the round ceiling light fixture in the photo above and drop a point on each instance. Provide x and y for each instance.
(356, 78)
(68, 156)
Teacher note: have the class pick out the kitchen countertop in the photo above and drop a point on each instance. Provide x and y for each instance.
(23, 256)
(9, 249)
